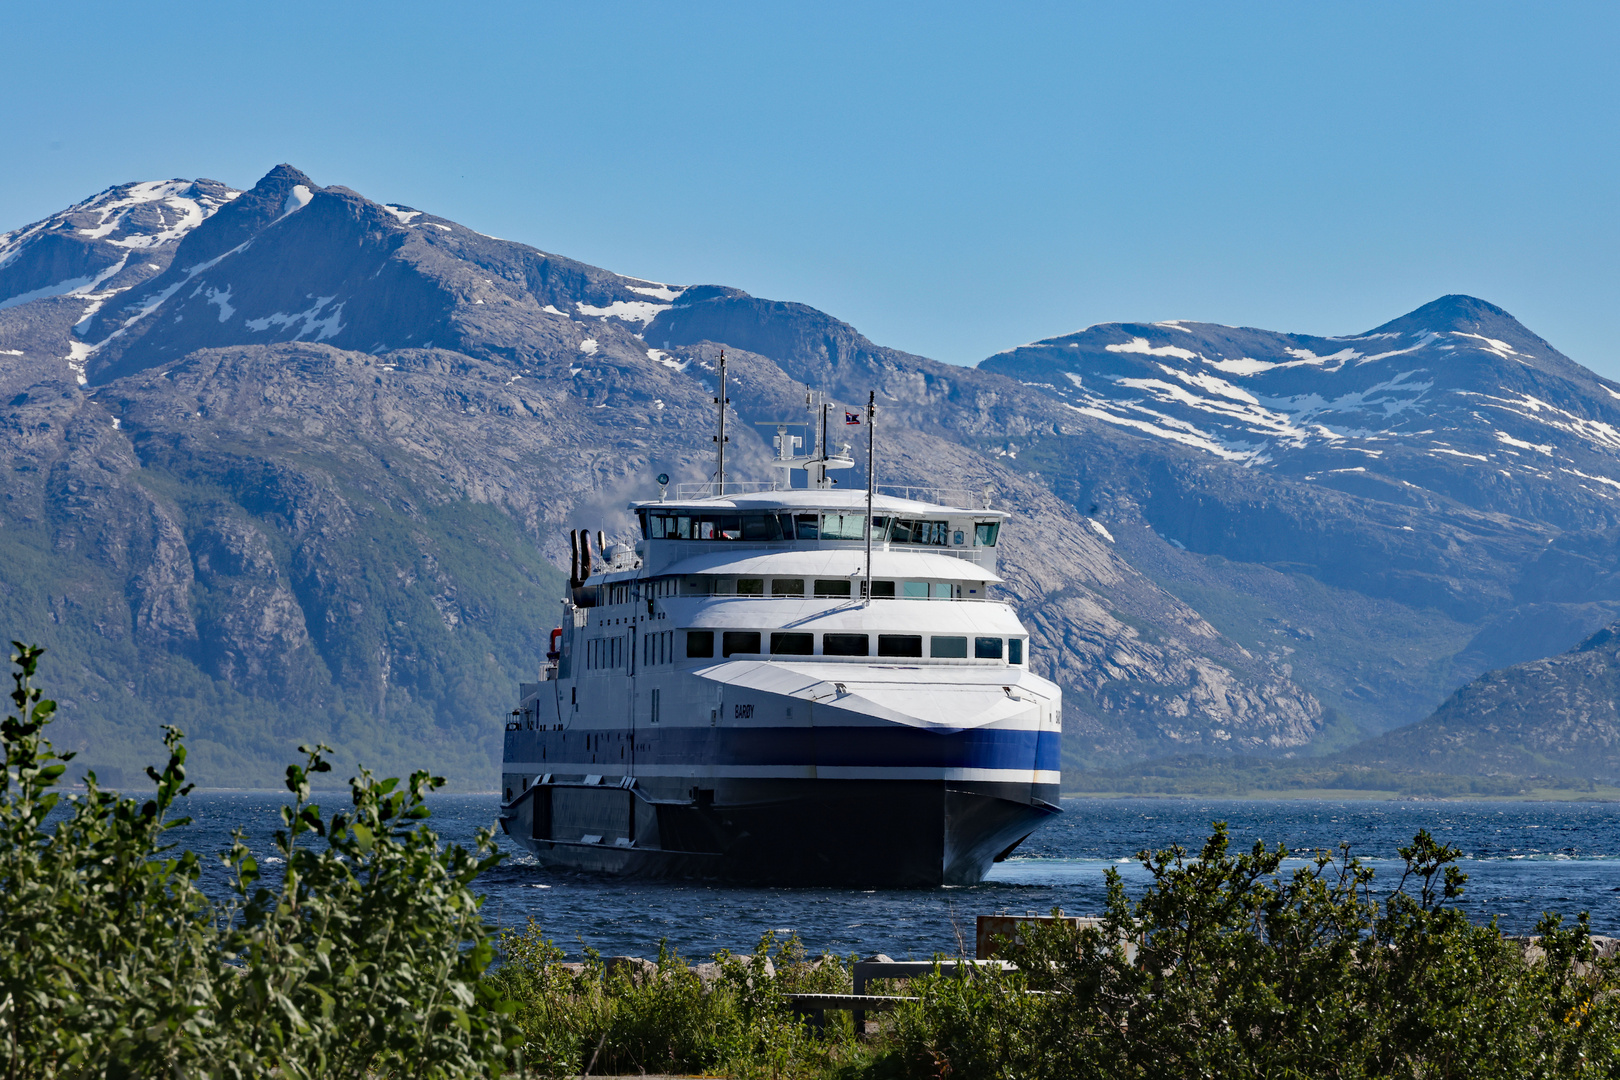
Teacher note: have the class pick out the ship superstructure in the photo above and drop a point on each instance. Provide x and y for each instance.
(806, 685)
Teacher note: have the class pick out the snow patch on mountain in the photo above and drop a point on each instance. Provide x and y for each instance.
(1140, 345)
(80, 286)
(658, 291)
(320, 326)
(297, 199)
(223, 300)
(1508, 440)
(636, 311)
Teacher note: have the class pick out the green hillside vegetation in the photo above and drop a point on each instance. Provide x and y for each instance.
(392, 673)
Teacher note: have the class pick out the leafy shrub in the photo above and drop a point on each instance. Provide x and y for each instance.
(729, 1017)
(365, 960)
(1227, 968)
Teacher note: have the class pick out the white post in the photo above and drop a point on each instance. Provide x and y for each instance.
(871, 480)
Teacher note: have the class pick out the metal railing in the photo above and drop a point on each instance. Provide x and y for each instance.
(712, 490)
(960, 497)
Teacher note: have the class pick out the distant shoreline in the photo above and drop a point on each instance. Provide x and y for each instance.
(1604, 795)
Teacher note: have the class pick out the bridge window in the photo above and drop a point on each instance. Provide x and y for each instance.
(987, 648)
(899, 644)
(807, 527)
(947, 648)
(1015, 650)
(843, 527)
(832, 587)
(984, 533)
(881, 590)
(793, 644)
(844, 645)
(935, 533)
(740, 641)
(787, 587)
(699, 644)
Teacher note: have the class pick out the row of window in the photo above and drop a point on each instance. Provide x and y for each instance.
(656, 525)
(819, 588)
(700, 645)
(624, 591)
(834, 588)
(607, 653)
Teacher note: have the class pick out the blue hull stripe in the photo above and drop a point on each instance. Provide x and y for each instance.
(892, 747)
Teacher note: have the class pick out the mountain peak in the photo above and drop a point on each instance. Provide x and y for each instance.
(280, 191)
(1457, 313)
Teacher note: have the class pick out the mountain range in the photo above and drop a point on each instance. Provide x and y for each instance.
(289, 465)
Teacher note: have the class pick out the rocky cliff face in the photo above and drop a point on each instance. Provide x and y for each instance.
(1559, 716)
(306, 471)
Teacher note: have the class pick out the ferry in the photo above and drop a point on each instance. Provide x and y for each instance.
(807, 685)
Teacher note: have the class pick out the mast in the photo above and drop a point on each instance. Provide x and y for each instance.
(720, 439)
(825, 446)
(871, 478)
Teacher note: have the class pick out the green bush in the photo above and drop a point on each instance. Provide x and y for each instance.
(732, 1019)
(366, 960)
(1227, 968)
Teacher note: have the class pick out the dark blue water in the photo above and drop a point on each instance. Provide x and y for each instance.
(1522, 859)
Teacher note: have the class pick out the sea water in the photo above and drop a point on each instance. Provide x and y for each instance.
(1521, 858)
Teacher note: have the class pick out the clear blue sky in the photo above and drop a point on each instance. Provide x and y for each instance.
(953, 179)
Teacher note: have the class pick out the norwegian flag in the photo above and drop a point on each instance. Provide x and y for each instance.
(852, 419)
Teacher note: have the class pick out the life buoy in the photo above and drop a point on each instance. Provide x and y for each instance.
(556, 636)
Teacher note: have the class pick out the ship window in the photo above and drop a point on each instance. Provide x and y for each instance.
(787, 644)
(921, 532)
(942, 590)
(1015, 650)
(761, 527)
(844, 645)
(699, 644)
(881, 590)
(807, 527)
(899, 644)
(984, 533)
(987, 648)
(750, 586)
(843, 527)
(684, 527)
(720, 527)
(832, 587)
(916, 589)
(787, 587)
(741, 641)
(703, 530)
(948, 648)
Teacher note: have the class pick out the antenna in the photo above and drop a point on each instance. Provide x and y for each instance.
(720, 440)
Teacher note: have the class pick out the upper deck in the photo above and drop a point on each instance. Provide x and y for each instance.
(678, 531)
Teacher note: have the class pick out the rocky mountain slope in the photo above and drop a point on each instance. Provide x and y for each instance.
(1559, 716)
(292, 464)
(309, 475)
